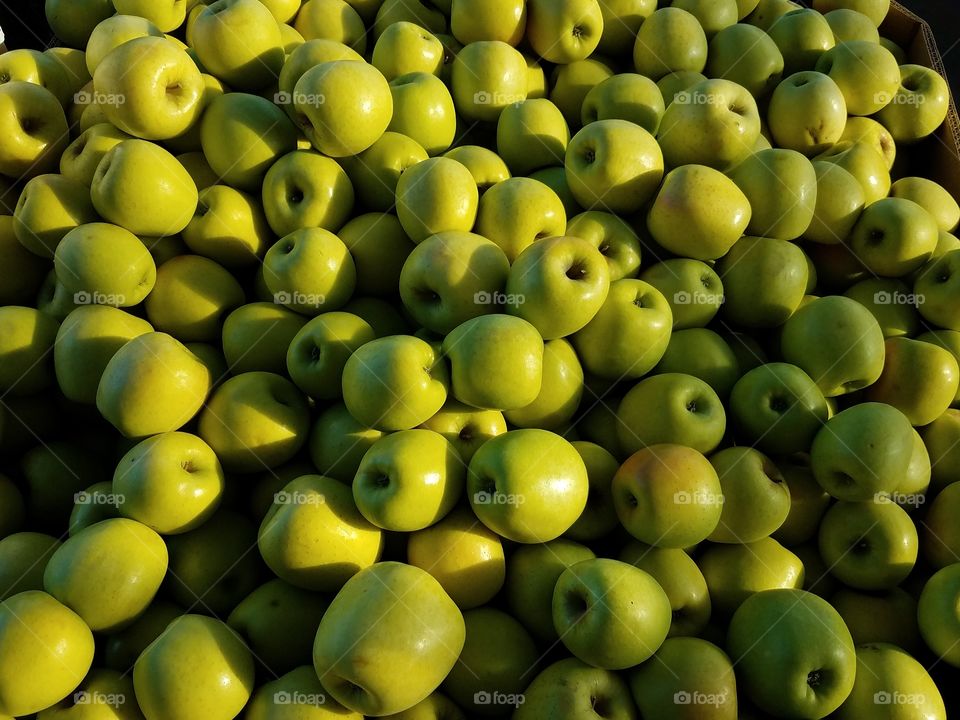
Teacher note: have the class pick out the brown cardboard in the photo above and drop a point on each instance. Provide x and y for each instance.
(936, 157)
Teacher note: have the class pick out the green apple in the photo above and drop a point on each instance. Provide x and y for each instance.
(764, 280)
(310, 271)
(938, 285)
(564, 32)
(918, 106)
(92, 505)
(487, 76)
(676, 82)
(808, 502)
(39, 68)
(734, 572)
(357, 640)
(837, 342)
(297, 694)
(940, 538)
(946, 339)
(613, 236)
(153, 384)
(307, 56)
(570, 85)
(306, 190)
(555, 178)
(865, 163)
(242, 136)
(407, 48)
(395, 383)
(712, 15)
(888, 676)
(486, 167)
(690, 413)
(848, 25)
(389, 12)
(868, 130)
(436, 195)
(703, 354)
(610, 614)
(629, 334)
(698, 213)
(228, 226)
(714, 123)
(670, 40)
(517, 212)
(318, 353)
(879, 617)
(332, 20)
(692, 288)
(937, 615)
(746, 55)
(73, 21)
(839, 203)
(932, 197)
(560, 391)
(166, 16)
(782, 188)
(143, 481)
(778, 407)
(807, 113)
(314, 536)
(570, 688)
(45, 651)
(423, 111)
(48, 208)
(919, 378)
(220, 679)
(626, 96)
(26, 270)
(862, 451)
(466, 427)
(380, 248)
(756, 497)
(257, 336)
(614, 165)
(532, 134)
(802, 36)
(103, 693)
(196, 164)
(112, 32)
(108, 572)
(795, 653)
(866, 73)
(495, 665)
(599, 517)
(27, 337)
(876, 10)
(465, 557)
(477, 20)
(941, 440)
(912, 491)
(34, 147)
(668, 496)
(239, 42)
(621, 22)
(376, 171)
(25, 556)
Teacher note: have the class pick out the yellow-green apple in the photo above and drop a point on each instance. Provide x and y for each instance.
(912, 490)
(532, 134)
(496, 362)
(297, 693)
(876, 10)
(102, 691)
(365, 627)
(807, 113)
(571, 688)
(941, 440)
(839, 202)
(487, 76)
(167, 16)
(862, 451)
(756, 497)
(614, 165)
(866, 73)
(778, 407)
(495, 664)
(622, 20)
(113, 32)
(613, 236)
(218, 685)
(39, 68)
(423, 111)
(27, 337)
(733, 572)
(888, 676)
(698, 213)
(476, 20)
(764, 280)
(560, 392)
(72, 21)
(104, 264)
(48, 208)
(746, 55)
(108, 573)
(306, 190)
(92, 505)
(670, 40)
(837, 342)
(918, 106)
(121, 649)
(464, 556)
(153, 384)
(932, 197)
(564, 32)
(316, 355)
(25, 556)
(869, 545)
(46, 650)
(815, 675)
(865, 163)
(626, 96)
(453, 277)
(376, 171)
(939, 286)
(937, 616)
(26, 271)
(486, 167)
(848, 24)
(310, 271)
(712, 15)
(379, 248)
(689, 413)
(517, 212)
(466, 427)
(555, 178)
(305, 57)
(868, 130)
(405, 47)
(599, 517)
(782, 188)
(35, 128)
(676, 82)
(191, 297)
(198, 167)
(692, 288)
(254, 421)
(879, 617)
(668, 496)
(802, 36)
(395, 383)
(941, 541)
(436, 195)
(242, 136)
(527, 485)
(532, 574)
(228, 227)
(946, 339)
(633, 329)
(570, 84)
(142, 480)
(919, 378)
(80, 159)
(239, 42)
(314, 536)
(332, 20)
(389, 12)
(703, 354)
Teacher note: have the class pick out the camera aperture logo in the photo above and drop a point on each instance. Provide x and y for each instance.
(88, 97)
(299, 99)
(99, 499)
(299, 299)
(684, 697)
(498, 298)
(700, 497)
(296, 497)
(486, 497)
(498, 698)
(885, 297)
(697, 298)
(899, 98)
(95, 697)
(98, 298)
(484, 97)
(296, 697)
(895, 697)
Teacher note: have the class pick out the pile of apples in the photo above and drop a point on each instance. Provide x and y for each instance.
(444, 359)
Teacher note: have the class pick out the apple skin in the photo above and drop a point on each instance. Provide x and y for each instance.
(876, 10)
(466, 427)
(599, 517)
(476, 20)
(941, 440)
(734, 572)
(610, 614)
(764, 280)
(561, 390)
(436, 195)
(486, 167)
(297, 692)
(517, 212)
(940, 538)
(307, 56)
(318, 352)
(564, 33)
(668, 496)
(229, 227)
(379, 247)
(625, 96)
(571, 83)
(570, 688)
(938, 284)
(354, 665)
(333, 20)
(73, 21)
(865, 162)
(795, 653)
(692, 288)
(310, 271)
(803, 36)
(305, 190)
(937, 616)
(919, 105)
(26, 270)
(48, 208)
(423, 110)
(239, 42)
(919, 379)
(613, 236)
(932, 197)
(376, 171)
(839, 204)
(407, 48)
(822, 121)
(885, 617)
(487, 76)
(670, 40)
(756, 497)
(532, 134)
(782, 188)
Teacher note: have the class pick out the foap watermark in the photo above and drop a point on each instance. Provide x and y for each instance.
(899, 98)
(299, 99)
(498, 298)
(697, 298)
(897, 297)
(87, 97)
(696, 697)
(913, 500)
(700, 497)
(284, 697)
(498, 698)
(691, 97)
(95, 697)
(286, 497)
(483, 497)
(896, 697)
(496, 98)
(99, 498)
(300, 299)
(98, 298)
